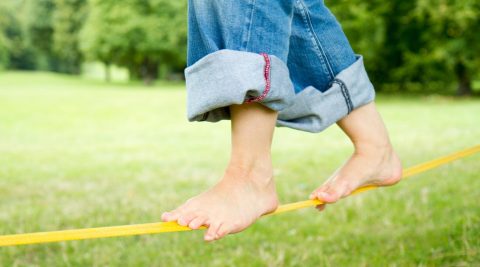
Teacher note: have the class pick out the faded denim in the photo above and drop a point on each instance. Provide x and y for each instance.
(291, 56)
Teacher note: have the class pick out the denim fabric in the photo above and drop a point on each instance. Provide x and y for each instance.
(291, 56)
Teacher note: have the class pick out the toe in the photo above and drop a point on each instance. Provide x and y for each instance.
(334, 191)
(170, 216)
(185, 219)
(322, 188)
(328, 196)
(222, 232)
(165, 216)
(324, 193)
(197, 222)
(211, 233)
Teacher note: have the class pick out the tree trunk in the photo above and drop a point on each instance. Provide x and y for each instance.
(149, 71)
(464, 81)
(108, 72)
(133, 72)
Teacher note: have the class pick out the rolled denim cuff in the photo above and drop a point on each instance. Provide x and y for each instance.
(228, 77)
(313, 110)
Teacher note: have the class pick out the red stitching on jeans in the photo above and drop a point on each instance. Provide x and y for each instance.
(266, 73)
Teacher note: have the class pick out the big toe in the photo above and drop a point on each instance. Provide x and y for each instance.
(329, 196)
(170, 216)
(330, 193)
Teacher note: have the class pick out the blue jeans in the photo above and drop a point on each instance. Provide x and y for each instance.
(290, 55)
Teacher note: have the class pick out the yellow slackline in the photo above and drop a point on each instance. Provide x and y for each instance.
(164, 227)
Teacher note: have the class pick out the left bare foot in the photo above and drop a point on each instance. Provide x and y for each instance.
(232, 205)
(247, 190)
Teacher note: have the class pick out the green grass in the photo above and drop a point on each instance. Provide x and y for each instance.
(76, 153)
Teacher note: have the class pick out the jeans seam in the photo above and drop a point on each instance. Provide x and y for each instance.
(266, 74)
(317, 44)
(248, 26)
(345, 93)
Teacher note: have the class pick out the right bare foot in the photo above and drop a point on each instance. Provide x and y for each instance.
(374, 161)
(236, 202)
(367, 166)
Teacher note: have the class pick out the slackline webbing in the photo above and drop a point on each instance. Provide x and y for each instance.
(165, 227)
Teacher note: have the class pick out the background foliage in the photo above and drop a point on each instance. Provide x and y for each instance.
(413, 45)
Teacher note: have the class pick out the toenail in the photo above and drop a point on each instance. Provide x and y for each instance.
(323, 195)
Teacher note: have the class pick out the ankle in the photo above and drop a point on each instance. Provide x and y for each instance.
(250, 160)
(373, 148)
(258, 166)
(259, 169)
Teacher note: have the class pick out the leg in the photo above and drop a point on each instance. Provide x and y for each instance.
(237, 53)
(247, 189)
(321, 57)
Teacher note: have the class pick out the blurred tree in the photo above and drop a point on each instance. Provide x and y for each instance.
(4, 55)
(52, 28)
(414, 41)
(407, 45)
(15, 51)
(67, 20)
(96, 44)
(451, 37)
(4, 41)
(364, 24)
(39, 25)
(138, 34)
(381, 32)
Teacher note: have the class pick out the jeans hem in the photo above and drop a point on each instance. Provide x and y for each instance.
(228, 77)
(314, 111)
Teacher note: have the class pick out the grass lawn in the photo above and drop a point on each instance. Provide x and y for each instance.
(76, 153)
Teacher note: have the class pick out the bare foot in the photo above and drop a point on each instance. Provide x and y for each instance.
(247, 190)
(373, 163)
(367, 166)
(232, 205)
